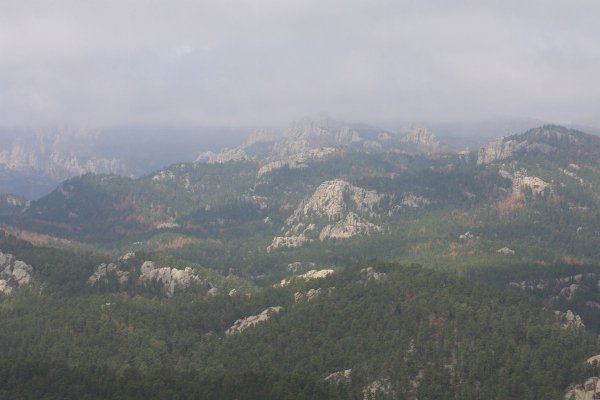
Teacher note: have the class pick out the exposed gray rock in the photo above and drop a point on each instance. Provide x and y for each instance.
(332, 199)
(53, 154)
(377, 387)
(226, 155)
(372, 275)
(350, 226)
(343, 377)
(569, 319)
(244, 323)
(593, 359)
(468, 236)
(499, 149)
(310, 275)
(4, 287)
(505, 251)
(521, 181)
(423, 139)
(590, 390)
(545, 140)
(569, 292)
(310, 295)
(105, 271)
(172, 279)
(344, 208)
(413, 201)
(13, 273)
(127, 256)
(289, 242)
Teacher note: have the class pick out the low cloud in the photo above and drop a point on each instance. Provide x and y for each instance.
(248, 62)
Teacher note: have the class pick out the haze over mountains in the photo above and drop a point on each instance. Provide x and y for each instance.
(171, 227)
(34, 160)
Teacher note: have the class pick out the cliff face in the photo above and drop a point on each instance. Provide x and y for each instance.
(336, 210)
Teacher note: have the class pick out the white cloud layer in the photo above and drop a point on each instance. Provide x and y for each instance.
(261, 61)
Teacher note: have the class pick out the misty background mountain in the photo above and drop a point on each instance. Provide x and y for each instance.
(34, 160)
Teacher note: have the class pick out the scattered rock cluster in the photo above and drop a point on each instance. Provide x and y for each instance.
(170, 279)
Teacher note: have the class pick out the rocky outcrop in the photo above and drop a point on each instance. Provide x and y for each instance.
(104, 272)
(13, 273)
(569, 292)
(313, 139)
(500, 149)
(343, 377)
(288, 242)
(413, 201)
(340, 209)
(297, 266)
(244, 323)
(310, 295)
(333, 198)
(546, 139)
(468, 236)
(226, 155)
(308, 276)
(370, 274)
(54, 155)
(590, 390)
(505, 251)
(377, 388)
(171, 279)
(423, 140)
(168, 279)
(560, 284)
(505, 148)
(569, 319)
(10, 203)
(521, 181)
(350, 226)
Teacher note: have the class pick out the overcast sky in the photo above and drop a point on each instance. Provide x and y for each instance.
(263, 62)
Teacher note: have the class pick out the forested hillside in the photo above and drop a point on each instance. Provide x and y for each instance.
(317, 266)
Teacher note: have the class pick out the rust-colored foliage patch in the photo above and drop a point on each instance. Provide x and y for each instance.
(513, 202)
(176, 243)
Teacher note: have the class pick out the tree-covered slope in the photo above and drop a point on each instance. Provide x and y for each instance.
(408, 331)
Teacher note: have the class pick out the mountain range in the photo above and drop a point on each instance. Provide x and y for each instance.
(333, 261)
